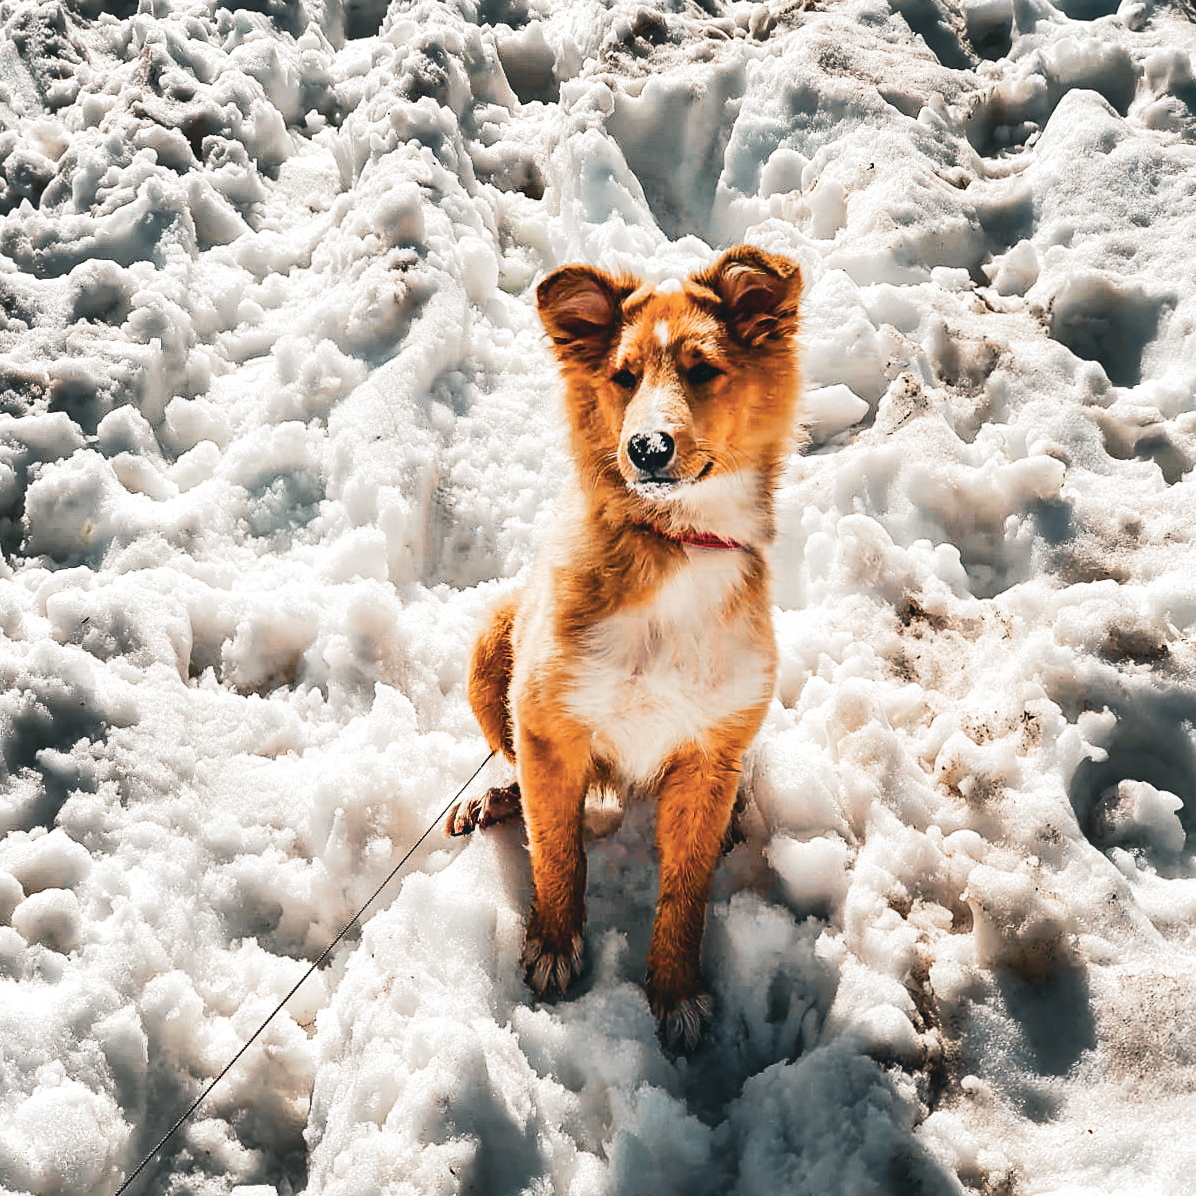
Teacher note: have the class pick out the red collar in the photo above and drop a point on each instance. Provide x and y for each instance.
(692, 539)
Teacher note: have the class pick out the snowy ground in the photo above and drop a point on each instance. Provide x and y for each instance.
(277, 422)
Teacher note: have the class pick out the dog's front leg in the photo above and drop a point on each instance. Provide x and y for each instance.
(552, 780)
(695, 801)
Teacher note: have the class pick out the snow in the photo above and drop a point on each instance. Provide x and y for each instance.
(278, 423)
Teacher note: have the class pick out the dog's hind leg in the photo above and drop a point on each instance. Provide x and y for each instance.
(489, 686)
(490, 677)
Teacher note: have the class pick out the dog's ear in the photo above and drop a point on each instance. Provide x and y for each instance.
(760, 293)
(580, 306)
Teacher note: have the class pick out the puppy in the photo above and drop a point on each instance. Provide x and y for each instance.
(640, 656)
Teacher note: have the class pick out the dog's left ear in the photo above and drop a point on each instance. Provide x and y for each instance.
(760, 293)
(580, 306)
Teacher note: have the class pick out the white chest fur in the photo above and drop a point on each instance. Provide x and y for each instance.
(662, 674)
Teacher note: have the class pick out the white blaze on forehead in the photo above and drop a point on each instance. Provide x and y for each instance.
(670, 286)
(662, 333)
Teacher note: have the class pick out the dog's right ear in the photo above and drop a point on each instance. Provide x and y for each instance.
(580, 306)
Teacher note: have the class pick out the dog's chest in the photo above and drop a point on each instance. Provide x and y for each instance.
(665, 672)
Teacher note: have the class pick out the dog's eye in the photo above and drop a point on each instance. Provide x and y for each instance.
(703, 372)
(626, 379)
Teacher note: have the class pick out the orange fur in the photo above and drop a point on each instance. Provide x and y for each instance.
(639, 654)
(490, 677)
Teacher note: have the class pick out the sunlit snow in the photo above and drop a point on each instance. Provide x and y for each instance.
(278, 422)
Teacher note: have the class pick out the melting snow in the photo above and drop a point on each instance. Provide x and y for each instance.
(277, 422)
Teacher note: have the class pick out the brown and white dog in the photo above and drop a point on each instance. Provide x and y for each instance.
(640, 656)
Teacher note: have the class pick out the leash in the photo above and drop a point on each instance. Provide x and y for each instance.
(314, 967)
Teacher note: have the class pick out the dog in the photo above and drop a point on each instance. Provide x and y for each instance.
(640, 656)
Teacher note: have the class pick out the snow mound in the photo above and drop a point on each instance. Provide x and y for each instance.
(277, 423)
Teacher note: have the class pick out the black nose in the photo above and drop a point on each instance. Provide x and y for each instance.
(651, 451)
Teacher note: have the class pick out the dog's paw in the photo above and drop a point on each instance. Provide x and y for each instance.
(682, 1027)
(493, 806)
(549, 973)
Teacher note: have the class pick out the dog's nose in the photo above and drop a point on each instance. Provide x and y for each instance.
(651, 451)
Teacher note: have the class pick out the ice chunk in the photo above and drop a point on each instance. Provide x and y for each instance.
(829, 410)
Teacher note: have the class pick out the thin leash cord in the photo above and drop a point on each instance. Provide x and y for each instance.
(327, 952)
